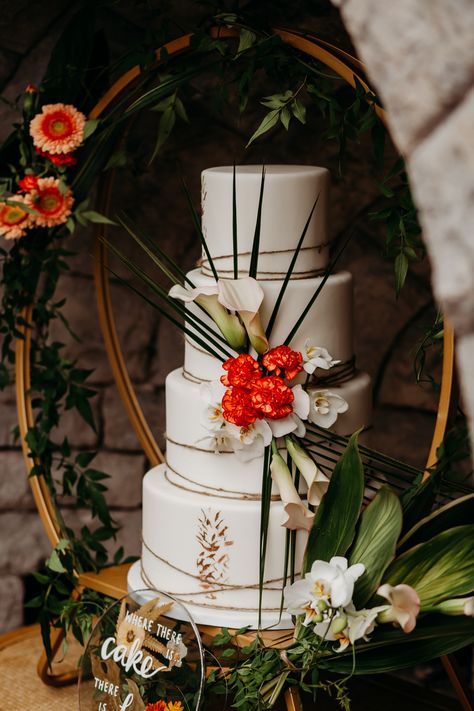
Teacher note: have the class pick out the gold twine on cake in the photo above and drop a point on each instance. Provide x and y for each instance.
(339, 374)
(220, 587)
(203, 263)
(219, 493)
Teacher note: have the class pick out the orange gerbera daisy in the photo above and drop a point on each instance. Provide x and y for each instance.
(14, 221)
(52, 206)
(157, 706)
(59, 128)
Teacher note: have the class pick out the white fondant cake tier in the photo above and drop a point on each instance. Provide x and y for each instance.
(289, 195)
(189, 448)
(204, 549)
(328, 322)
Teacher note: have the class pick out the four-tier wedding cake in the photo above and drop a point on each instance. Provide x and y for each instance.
(202, 508)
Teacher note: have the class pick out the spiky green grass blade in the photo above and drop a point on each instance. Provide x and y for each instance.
(234, 226)
(201, 326)
(308, 306)
(197, 226)
(264, 521)
(179, 324)
(154, 251)
(281, 293)
(258, 226)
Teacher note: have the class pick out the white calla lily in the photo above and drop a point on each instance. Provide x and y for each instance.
(297, 515)
(404, 605)
(245, 296)
(316, 481)
(455, 606)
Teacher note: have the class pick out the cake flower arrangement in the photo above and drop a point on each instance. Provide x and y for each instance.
(376, 591)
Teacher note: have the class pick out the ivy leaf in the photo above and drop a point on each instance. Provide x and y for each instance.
(299, 110)
(401, 269)
(83, 459)
(180, 110)
(270, 120)
(165, 127)
(54, 563)
(285, 117)
(89, 127)
(247, 40)
(97, 218)
(117, 160)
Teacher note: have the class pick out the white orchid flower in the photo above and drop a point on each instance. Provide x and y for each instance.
(335, 580)
(297, 515)
(325, 407)
(317, 357)
(347, 626)
(292, 423)
(316, 481)
(249, 442)
(207, 297)
(404, 605)
(245, 296)
(300, 601)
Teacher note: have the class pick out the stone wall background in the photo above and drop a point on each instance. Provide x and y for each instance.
(387, 330)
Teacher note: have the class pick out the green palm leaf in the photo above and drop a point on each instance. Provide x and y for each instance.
(438, 569)
(379, 528)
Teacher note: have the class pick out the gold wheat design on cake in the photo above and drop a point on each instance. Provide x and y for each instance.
(213, 560)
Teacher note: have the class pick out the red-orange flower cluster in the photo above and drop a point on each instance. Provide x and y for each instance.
(272, 398)
(251, 394)
(241, 371)
(237, 407)
(283, 359)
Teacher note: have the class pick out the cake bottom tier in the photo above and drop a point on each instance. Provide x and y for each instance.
(204, 551)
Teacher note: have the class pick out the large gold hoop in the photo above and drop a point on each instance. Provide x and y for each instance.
(349, 69)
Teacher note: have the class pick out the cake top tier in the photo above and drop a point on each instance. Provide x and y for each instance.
(288, 197)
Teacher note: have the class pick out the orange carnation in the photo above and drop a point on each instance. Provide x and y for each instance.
(283, 359)
(29, 182)
(271, 397)
(241, 371)
(53, 207)
(14, 221)
(59, 128)
(237, 407)
(58, 159)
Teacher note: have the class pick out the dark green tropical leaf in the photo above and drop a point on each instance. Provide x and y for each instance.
(438, 569)
(379, 528)
(335, 521)
(454, 513)
(391, 649)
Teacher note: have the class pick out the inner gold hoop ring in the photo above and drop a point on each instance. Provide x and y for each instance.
(344, 65)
